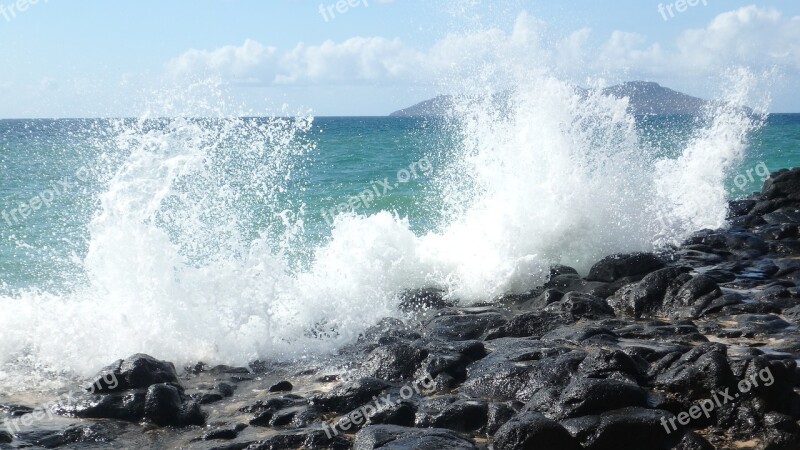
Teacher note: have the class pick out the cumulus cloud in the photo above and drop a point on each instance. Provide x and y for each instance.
(240, 63)
(754, 36)
(750, 35)
(356, 59)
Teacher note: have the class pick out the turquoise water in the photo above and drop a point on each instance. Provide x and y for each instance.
(228, 240)
(66, 164)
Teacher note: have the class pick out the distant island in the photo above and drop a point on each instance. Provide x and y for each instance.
(646, 98)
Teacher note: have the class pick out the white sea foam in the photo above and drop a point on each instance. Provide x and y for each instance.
(175, 268)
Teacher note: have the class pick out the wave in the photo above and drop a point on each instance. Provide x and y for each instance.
(190, 250)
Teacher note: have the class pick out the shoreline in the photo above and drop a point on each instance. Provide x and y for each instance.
(595, 362)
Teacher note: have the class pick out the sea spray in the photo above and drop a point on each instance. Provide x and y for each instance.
(558, 176)
(190, 254)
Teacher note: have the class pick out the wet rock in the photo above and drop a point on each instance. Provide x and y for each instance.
(402, 414)
(784, 215)
(793, 313)
(692, 441)
(128, 406)
(581, 306)
(138, 371)
(162, 404)
(275, 411)
(423, 300)
(746, 244)
(206, 398)
(749, 308)
(683, 331)
(786, 247)
(614, 267)
(16, 410)
(780, 432)
(788, 268)
(283, 386)
(453, 413)
(761, 323)
(668, 291)
(720, 275)
(604, 363)
(783, 184)
(691, 298)
(533, 324)
(778, 231)
(582, 428)
(500, 413)
(224, 432)
(583, 333)
(288, 416)
(719, 303)
(448, 359)
(565, 282)
(588, 396)
(387, 331)
(82, 435)
(516, 366)
(646, 297)
(737, 208)
(694, 374)
(761, 269)
(552, 372)
(559, 269)
(634, 429)
(228, 370)
(464, 323)
(392, 362)
(725, 242)
(531, 430)
(307, 438)
(350, 395)
(690, 256)
(5, 437)
(390, 437)
(545, 298)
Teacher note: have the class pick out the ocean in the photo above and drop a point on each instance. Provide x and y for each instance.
(227, 240)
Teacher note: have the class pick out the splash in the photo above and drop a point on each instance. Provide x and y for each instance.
(190, 256)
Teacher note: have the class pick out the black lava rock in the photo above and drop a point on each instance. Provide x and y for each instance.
(138, 371)
(614, 267)
(391, 437)
(533, 431)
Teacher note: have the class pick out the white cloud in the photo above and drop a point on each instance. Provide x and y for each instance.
(356, 59)
(752, 35)
(241, 63)
(744, 36)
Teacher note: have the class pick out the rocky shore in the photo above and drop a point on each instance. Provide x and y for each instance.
(691, 349)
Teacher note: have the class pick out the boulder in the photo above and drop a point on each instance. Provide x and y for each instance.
(614, 267)
(391, 437)
(138, 371)
(533, 431)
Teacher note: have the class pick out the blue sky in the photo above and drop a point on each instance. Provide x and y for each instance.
(89, 58)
